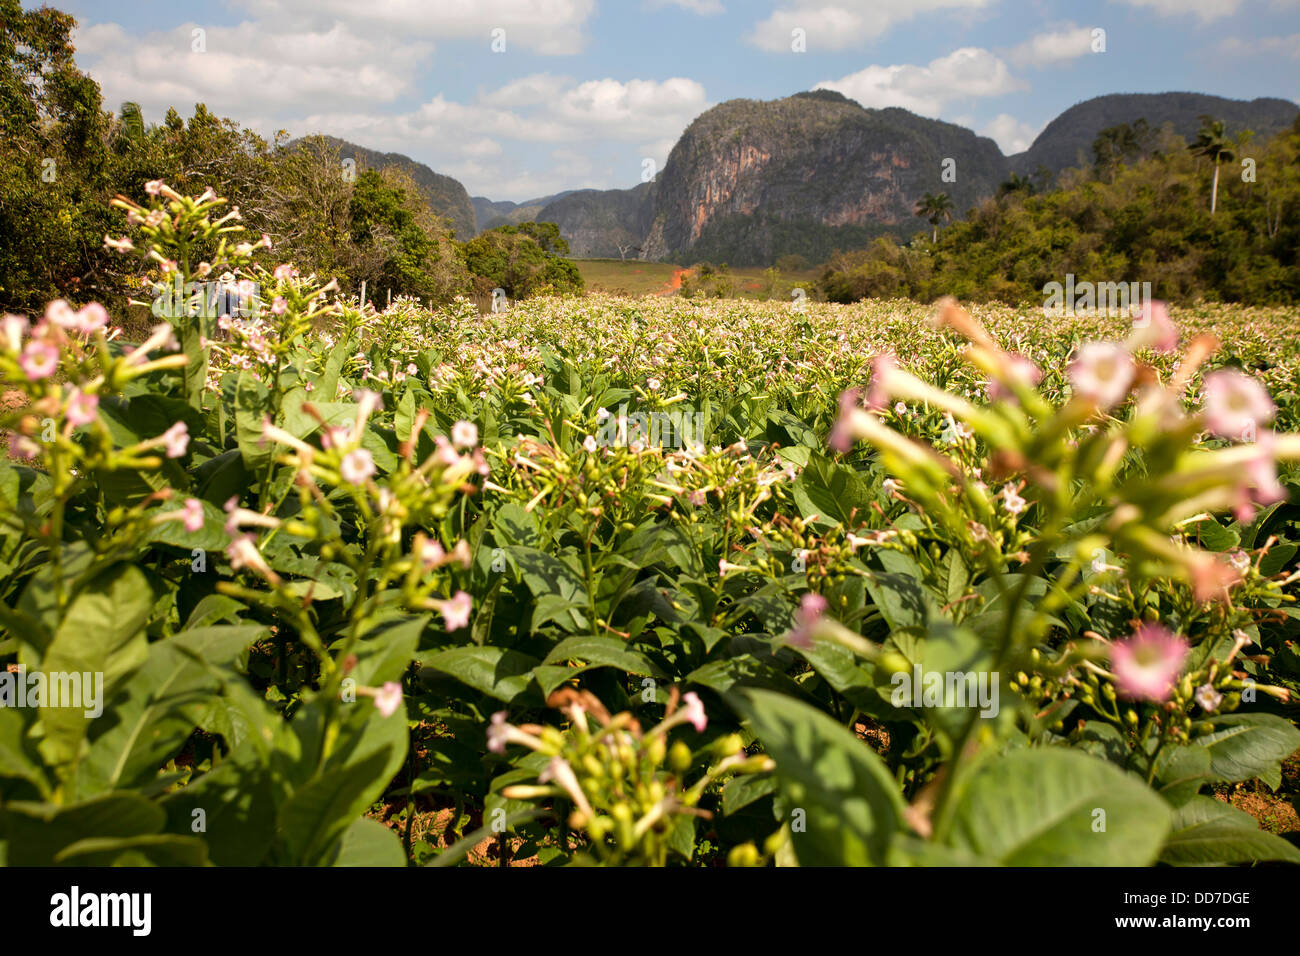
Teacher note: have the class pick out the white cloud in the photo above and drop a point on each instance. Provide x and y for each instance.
(544, 26)
(1011, 135)
(845, 24)
(705, 8)
(1204, 10)
(579, 119)
(1288, 45)
(1046, 49)
(968, 72)
(244, 65)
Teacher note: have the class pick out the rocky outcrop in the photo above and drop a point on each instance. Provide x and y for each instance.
(745, 172)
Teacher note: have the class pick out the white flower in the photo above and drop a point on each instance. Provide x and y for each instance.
(464, 434)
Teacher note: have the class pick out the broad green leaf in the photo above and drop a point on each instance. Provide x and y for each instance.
(495, 671)
(368, 843)
(1210, 831)
(1058, 807)
(833, 784)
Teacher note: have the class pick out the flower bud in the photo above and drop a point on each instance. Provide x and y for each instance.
(745, 854)
(679, 758)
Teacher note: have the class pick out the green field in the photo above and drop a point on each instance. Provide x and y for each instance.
(638, 277)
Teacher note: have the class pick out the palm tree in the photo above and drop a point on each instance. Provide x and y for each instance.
(132, 129)
(1213, 142)
(934, 208)
(1017, 184)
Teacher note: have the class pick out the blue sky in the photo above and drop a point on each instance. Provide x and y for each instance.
(581, 93)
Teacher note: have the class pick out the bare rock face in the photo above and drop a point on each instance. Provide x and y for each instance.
(749, 181)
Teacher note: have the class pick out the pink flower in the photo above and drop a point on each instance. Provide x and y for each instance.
(20, 446)
(12, 330)
(841, 437)
(1236, 404)
(335, 436)
(589, 444)
(90, 318)
(464, 434)
(1148, 664)
(357, 466)
(1156, 329)
(1208, 698)
(81, 408)
(153, 187)
(695, 711)
(284, 271)
(388, 698)
(243, 553)
(432, 555)
(455, 612)
(1261, 470)
(497, 735)
(1102, 372)
(176, 439)
(279, 306)
(61, 314)
(118, 245)
(1020, 370)
(39, 360)
(884, 366)
(193, 512)
(811, 608)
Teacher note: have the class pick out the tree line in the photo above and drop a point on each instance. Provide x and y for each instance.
(63, 156)
(1217, 219)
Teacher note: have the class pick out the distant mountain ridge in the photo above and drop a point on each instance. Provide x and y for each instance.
(1067, 140)
(749, 181)
(491, 214)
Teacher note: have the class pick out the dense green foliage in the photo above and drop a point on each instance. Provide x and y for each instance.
(522, 260)
(330, 207)
(1144, 220)
(617, 580)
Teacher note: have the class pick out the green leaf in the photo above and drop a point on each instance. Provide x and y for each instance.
(252, 406)
(1243, 746)
(154, 849)
(1046, 807)
(368, 842)
(740, 792)
(850, 803)
(1210, 831)
(160, 706)
(102, 633)
(603, 651)
(39, 831)
(495, 671)
(315, 817)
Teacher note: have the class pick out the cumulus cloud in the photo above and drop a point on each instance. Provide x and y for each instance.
(968, 72)
(1053, 47)
(845, 24)
(1286, 45)
(228, 68)
(1204, 10)
(543, 26)
(1011, 135)
(576, 118)
(705, 8)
